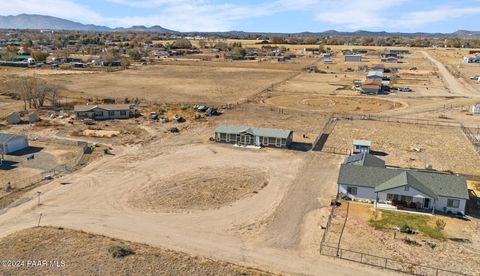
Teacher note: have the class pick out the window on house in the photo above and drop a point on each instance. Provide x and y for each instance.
(407, 188)
(123, 113)
(352, 190)
(453, 203)
(98, 113)
(111, 113)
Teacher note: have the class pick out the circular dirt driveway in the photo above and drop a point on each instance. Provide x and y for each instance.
(337, 104)
(200, 189)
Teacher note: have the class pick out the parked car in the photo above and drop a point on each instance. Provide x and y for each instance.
(179, 118)
(153, 115)
(163, 120)
(174, 130)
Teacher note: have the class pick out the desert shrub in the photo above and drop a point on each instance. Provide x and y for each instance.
(440, 225)
(120, 251)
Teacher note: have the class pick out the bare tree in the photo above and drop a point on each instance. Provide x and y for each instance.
(34, 91)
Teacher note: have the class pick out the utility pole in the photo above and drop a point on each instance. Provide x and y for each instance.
(39, 193)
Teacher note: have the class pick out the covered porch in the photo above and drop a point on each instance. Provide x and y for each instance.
(394, 201)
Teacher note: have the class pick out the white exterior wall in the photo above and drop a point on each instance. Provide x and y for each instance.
(16, 144)
(416, 195)
(442, 202)
(362, 192)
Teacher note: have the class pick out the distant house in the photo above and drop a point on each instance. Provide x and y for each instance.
(353, 58)
(372, 89)
(261, 137)
(472, 59)
(390, 60)
(375, 75)
(104, 111)
(476, 108)
(378, 68)
(12, 142)
(14, 118)
(361, 146)
(33, 117)
(327, 61)
(365, 177)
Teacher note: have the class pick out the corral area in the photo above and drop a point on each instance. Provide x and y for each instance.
(372, 232)
(410, 145)
(73, 252)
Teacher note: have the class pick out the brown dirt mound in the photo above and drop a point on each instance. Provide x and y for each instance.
(200, 189)
(69, 252)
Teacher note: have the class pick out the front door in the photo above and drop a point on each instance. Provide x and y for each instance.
(426, 203)
(247, 140)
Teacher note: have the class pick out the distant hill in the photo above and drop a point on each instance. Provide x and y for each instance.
(44, 22)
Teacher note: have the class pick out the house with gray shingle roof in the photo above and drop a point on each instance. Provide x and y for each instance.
(252, 136)
(366, 177)
(104, 111)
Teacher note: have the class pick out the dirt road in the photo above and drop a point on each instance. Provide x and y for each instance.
(94, 199)
(456, 86)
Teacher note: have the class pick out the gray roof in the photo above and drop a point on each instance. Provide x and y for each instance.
(365, 159)
(109, 107)
(431, 183)
(5, 137)
(375, 74)
(264, 132)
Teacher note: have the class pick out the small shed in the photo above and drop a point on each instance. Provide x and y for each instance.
(476, 108)
(353, 58)
(33, 117)
(12, 142)
(14, 118)
(361, 146)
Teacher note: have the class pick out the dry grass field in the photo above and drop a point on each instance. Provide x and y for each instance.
(456, 248)
(70, 252)
(175, 83)
(408, 145)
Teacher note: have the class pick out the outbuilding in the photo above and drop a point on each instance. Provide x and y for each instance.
(353, 58)
(251, 136)
(14, 118)
(12, 142)
(476, 108)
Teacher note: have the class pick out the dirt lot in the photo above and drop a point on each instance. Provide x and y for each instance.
(201, 188)
(362, 105)
(87, 254)
(409, 145)
(19, 171)
(458, 251)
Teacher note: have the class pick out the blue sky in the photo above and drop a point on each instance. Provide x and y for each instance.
(263, 16)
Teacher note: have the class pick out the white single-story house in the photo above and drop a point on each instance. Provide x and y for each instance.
(360, 146)
(476, 108)
(12, 142)
(365, 177)
(261, 137)
(104, 111)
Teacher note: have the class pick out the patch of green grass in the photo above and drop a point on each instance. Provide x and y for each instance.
(390, 219)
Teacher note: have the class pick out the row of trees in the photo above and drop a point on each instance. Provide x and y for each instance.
(36, 92)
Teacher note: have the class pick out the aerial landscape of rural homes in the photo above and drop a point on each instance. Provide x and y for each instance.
(146, 151)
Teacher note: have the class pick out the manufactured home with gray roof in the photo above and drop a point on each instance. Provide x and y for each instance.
(104, 111)
(366, 177)
(252, 136)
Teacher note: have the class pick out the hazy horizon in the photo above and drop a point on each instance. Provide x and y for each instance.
(443, 16)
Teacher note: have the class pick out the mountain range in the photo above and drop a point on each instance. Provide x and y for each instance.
(44, 22)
